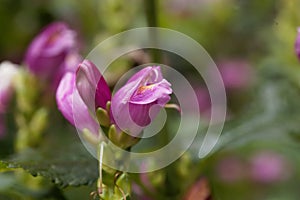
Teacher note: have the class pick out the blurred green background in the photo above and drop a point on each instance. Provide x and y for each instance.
(252, 41)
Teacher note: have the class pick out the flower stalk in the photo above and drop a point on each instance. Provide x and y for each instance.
(152, 21)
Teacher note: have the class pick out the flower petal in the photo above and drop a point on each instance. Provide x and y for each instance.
(92, 86)
(140, 100)
(71, 105)
(151, 93)
(64, 95)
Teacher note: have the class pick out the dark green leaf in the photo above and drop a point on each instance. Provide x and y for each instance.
(70, 166)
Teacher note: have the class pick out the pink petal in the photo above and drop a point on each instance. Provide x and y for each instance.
(92, 86)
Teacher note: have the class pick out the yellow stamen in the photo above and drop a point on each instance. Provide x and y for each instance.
(144, 88)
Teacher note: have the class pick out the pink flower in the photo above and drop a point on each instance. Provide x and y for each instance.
(236, 74)
(268, 167)
(144, 94)
(76, 93)
(92, 86)
(70, 64)
(140, 100)
(48, 51)
(72, 106)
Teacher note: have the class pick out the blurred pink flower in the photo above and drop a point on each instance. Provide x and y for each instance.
(47, 53)
(268, 167)
(70, 64)
(231, 170)
(297, 44)
(236, 74)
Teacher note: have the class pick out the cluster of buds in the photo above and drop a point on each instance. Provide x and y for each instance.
(85, 100)
(85, 92)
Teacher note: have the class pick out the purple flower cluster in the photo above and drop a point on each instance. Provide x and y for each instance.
(82, 91)
(144, 94)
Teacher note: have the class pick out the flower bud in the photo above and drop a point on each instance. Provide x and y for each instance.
(48, 50)
(121, 139)
(72, 106)
(92, 86)
(70, 64)
(140, 100)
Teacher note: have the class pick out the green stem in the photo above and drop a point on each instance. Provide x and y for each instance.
(151, 12)
(152, 21)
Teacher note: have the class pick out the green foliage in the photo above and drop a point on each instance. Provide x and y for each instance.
(64, 165)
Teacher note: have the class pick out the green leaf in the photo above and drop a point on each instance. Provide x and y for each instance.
(70, 166)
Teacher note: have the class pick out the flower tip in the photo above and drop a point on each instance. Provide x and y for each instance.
(92, 86)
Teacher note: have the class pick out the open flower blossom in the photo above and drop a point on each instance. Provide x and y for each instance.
(297, 44)
(140, 100)
(88, 91)
(47, 53)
